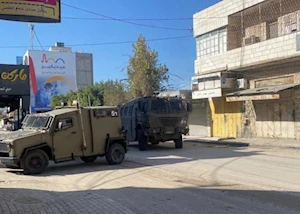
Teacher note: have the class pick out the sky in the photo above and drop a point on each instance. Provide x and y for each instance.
(110, 61)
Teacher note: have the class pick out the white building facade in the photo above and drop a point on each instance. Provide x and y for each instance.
(247, 68)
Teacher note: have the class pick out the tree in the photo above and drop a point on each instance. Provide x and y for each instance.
(115, 93)
(145, 74)
(102, 93)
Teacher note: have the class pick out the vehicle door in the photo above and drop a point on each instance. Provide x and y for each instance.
(67, 137)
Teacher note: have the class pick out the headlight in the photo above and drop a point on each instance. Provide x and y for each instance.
(5, 147)
(183, 121)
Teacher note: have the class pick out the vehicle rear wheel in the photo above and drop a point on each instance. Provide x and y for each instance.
(178, 143)
(89, 159)
(35, 162)
(115, 154)
(142, 140)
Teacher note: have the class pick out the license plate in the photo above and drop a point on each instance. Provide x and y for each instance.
(169, 130)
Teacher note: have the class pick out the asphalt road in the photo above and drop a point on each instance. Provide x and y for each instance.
(197, 179)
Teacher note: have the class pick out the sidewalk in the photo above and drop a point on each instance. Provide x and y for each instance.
(28, 201)
(267, 143)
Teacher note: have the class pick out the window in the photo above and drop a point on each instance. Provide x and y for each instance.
(176, 106)
(211, 43)
(130, 110)
(125, 111)
(64, 123)
(159, 105)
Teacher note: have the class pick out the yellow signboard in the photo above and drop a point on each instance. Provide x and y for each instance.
(39, 11)
(14, 75)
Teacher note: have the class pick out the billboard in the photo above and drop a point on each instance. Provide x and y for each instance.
(51, 74)
(38, 11)
(14, 80)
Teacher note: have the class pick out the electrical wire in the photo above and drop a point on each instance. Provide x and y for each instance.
(37, 38)
(143, 19)
(124, 21)
(110, 43)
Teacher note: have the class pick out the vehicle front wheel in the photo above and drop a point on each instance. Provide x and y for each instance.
(35, 162)
(115, 154)
(89, 159)
(142, 140)
(178, 143)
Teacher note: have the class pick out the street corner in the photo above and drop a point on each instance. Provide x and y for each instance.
(15, 201)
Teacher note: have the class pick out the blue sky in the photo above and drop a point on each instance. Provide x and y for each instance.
(177, 54)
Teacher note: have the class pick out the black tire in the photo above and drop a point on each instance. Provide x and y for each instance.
(89, 159)
(115, 154)
(142, 140)
(178, 143)
(35, 162)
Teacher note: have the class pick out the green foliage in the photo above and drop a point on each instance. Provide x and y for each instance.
(115, 93)
(102, 93)
(145, 74)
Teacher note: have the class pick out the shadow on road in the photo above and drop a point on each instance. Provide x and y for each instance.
(163, 154)
(193, 200)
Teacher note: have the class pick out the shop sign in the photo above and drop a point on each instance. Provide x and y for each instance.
(35, 11)
(14, 80)
(209, 93)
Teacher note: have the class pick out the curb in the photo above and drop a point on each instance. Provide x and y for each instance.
(218, 142)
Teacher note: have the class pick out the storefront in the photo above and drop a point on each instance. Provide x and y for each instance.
(270, 112)
(223, 119)
(15, 90)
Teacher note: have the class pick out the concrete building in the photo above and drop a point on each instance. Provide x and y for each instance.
(84, 65)
(247, 69)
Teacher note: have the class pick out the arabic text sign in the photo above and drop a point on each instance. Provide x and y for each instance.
(14, 80)
(39, 11)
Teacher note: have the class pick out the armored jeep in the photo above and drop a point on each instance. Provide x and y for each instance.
(62, 135)
(154, 119)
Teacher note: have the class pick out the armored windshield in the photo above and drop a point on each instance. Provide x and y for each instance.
(176, 106)
(35, 121)
(167, 106)
(159, 106)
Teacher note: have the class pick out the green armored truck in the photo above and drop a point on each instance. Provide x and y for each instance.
(155, 119)
(62, 135)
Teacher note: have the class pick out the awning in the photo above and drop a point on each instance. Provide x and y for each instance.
(264, 93)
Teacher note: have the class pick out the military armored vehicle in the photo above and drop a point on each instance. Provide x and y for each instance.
(155, 119)
(62, 135)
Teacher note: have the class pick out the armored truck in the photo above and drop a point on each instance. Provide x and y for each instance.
(154, 119)
(63, 135)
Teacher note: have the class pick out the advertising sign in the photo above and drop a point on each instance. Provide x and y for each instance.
(51, 74)
(14, 80)
(38, 11)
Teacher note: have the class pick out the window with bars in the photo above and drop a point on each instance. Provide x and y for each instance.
(212, 43)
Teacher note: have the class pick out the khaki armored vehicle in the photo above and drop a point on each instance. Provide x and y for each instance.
(154, 119)
(62, 135)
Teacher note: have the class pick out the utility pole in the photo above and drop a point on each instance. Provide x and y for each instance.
(31, 26)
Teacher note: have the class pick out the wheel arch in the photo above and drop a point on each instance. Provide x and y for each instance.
(119, 140)
(43, 146)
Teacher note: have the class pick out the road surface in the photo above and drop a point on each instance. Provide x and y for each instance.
(197, 179)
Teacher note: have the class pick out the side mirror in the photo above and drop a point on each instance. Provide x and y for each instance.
(60, 125)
